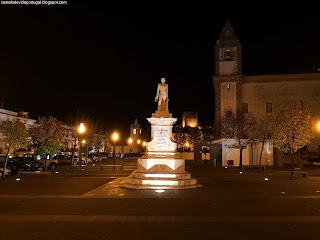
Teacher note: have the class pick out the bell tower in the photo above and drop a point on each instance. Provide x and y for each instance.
(228, 73)
(228, 57)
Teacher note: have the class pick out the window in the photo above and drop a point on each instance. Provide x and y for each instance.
(268, 107)
(228, 86)
(244, 107)
(227, 55)
(140, 131)
(134, 131)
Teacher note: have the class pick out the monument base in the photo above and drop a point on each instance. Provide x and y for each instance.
(162, 167)
(160, 172)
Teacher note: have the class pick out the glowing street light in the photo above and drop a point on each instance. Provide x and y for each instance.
(81, 131)
(83, 141)
(144, 143)
(138, 146)
(130, 142)
(319, 126)
(115, 137)
(81, 128)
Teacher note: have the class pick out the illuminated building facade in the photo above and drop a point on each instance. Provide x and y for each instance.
(260, 95)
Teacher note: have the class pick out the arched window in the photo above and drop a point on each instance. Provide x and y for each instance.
(134, 131)
(228, 55)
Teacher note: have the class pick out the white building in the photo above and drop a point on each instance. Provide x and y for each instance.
(230, 153)
(10, 115)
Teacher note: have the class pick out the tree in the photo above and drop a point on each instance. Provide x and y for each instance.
(74, 140)
(209, 134)
(15, 134)
(98, 141)
(179, 137)
(194, 135)
(264, 133)
(242, 127)
(293, 130)
(47, 136)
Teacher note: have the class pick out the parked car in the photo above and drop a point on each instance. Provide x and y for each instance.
(76, 160)
(8, 171)
(63, 159)
(51, 163)
(314, 160)
(34, 165)
(14, 166)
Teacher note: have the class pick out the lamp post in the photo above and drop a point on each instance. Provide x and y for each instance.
(138, 146)
(129, 143)
(81, 131)
(115, 137)
(144, 145)
(318, 128)
(187, 145)
(85, 149)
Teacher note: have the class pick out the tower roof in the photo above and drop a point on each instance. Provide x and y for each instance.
(135, 124)
(227, 36)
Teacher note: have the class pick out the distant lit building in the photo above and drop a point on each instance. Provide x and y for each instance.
(190, 119)
(135, 135)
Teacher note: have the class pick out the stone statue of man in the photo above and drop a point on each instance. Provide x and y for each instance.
(162, 96)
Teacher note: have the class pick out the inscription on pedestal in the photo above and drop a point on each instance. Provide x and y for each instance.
(161, 138)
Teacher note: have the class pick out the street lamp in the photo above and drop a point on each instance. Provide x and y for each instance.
(115, 137)
(81, 131)
(144, 145)
(138, 146)
(130, 142)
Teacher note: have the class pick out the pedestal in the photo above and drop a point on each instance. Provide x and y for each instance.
(162, 167)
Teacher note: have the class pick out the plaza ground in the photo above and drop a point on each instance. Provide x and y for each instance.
(89, 204)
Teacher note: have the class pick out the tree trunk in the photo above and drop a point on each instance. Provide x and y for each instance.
(292, 166)
(261, 154)
(240, 162)
(73, 151)
(300, 161)
(5, 163)
(45, 162)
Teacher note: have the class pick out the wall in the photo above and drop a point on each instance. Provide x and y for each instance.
(281, 90)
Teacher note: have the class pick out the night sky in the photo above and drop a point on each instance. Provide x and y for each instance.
(105, 61)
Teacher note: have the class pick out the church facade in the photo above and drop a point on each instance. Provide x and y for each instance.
(261, 94)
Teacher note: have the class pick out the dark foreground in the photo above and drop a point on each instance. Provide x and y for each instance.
(228, 206)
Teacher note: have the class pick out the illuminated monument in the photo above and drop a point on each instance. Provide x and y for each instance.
(162, 167)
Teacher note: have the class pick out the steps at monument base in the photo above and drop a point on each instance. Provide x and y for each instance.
(135, 186)
(161, 175)
(160, 182)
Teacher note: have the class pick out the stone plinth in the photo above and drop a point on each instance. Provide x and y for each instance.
(162, 167)
(162, 114)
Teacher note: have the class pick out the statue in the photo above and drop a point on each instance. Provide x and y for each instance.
(162, 96)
